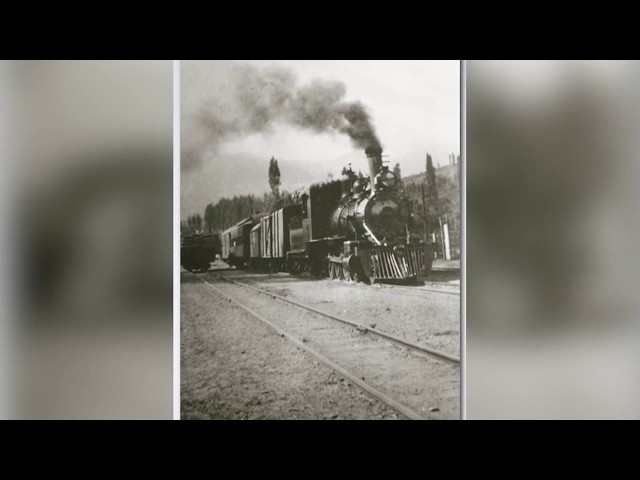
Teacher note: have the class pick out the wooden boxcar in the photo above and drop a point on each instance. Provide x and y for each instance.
(254, 246)
(235, 243)
(273, 238)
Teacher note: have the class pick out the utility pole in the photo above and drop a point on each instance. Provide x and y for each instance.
(444, 255)
(424, 214)
(447, 245)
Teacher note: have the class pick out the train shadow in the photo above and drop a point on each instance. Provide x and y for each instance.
(187, 277)
(277, 277)
(441, 276)
(402, 283)
(444, 277)
(192, 276)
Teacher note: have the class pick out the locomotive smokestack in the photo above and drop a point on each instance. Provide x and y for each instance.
(374, 156)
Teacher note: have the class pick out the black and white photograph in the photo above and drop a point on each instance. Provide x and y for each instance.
(320, 240)
(302, 240)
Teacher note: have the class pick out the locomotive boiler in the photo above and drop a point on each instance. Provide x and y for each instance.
(358, 229)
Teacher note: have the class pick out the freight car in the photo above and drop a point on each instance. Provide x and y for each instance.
(353, 229)
(197, 251)
(270, 240)
(235, 242)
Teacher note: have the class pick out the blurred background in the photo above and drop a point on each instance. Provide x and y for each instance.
(87, 240)
(552, 185)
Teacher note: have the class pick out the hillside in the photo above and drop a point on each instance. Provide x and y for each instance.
(448, 185)
(448, 171)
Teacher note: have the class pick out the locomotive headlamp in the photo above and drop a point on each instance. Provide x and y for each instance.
(386, 179)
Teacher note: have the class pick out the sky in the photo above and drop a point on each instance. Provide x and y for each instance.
(414, 106)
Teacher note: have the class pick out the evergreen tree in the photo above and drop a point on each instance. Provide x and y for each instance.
(209, 218)
(430, 202)
(398, 173)
(274, 178)
(431, 188)
(194, 223)
(217, 242)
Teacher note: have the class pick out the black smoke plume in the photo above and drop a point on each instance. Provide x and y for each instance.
(254, 100)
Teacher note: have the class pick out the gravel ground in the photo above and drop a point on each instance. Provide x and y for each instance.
(233, 366)
(412, 313)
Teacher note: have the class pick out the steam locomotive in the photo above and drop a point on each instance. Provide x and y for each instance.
(353, 229)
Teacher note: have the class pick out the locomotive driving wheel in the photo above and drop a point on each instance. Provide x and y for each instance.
(332, 270)
(346, 274)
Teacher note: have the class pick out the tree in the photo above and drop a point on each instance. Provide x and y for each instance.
(194, 223)
(198, 222)
(274, 178)
(430, 201)
(217, 242)
(431, 187)
(398, 173)
(209, 218)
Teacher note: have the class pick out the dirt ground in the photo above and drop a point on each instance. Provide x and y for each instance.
(235, 367)
(418, 313)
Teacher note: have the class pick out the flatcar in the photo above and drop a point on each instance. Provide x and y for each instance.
(197, 251)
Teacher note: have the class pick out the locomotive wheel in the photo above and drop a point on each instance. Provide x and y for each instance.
(346, 274)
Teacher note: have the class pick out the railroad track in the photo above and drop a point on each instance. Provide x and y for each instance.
(447, 290)
(359, 326)
(385, 371)
(419, 289)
